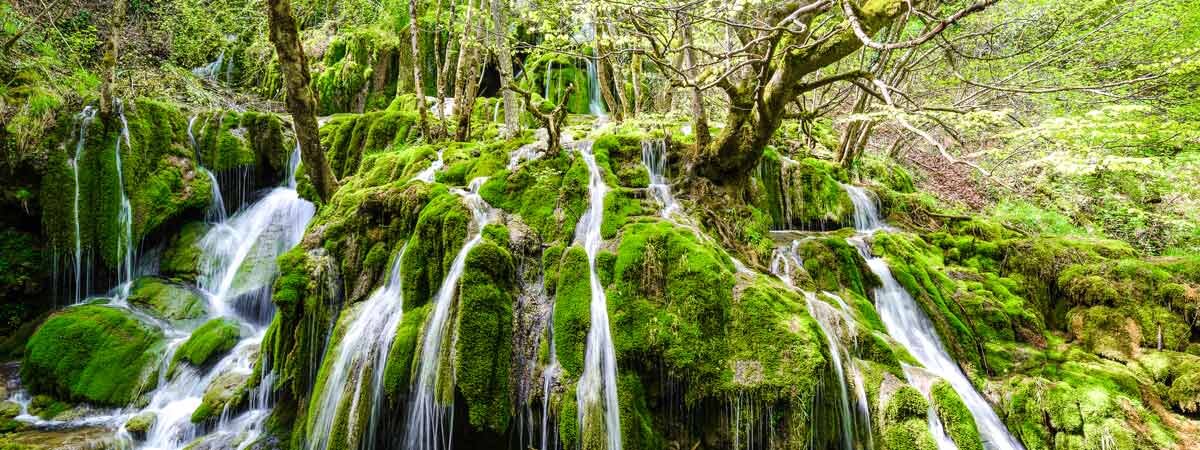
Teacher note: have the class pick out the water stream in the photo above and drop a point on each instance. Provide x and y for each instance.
(431, 403)
(654, 157)
(85, 121)
(598, 384)
(357, 364)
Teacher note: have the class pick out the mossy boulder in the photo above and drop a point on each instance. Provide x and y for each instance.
(93, 353)
(181, 258)
(549, 194)
(956, 418)
(226, 390)
(550, 74)
(208, 343)
(139, 425)
(167, 300)
(803, 195)
(483, 347)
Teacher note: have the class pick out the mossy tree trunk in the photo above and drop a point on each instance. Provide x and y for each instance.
(602, 76)
(504, 57)
(109, 62)
(414, 31)
(301, 101)
(757, 105)
(465, 83)
(444, 71)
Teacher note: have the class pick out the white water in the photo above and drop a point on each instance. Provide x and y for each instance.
(124, 217)
(923, 381)
(430, 415)
(654, 157)
(427, 174)
(549, 374)
(546, 80)
(216, 210)
(866, 210)
(85, 121)
(911, 328)
(830, 320)
(358, 363)
(250, 241)
(598, 384)
(595, 104)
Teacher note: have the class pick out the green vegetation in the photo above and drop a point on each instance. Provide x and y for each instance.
(208, 343)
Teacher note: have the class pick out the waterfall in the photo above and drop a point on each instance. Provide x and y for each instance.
(549, 374)
(358, 363)
(216, 210)
(429, 409)
(866, 210)
(598, 384)
(829, 319)
(124, 216)
(211, 70)
(546, 80)
(247, 243)
(427, 174)
(912, 329)
(924, 384)
(595, 104)
(654, 157)
(85, 121)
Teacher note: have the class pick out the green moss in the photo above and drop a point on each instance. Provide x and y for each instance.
(911, 434)
(805, 194)
(619, 206)
(357, 73)
(957, 419)
(92, 353)
(572, 309)
(550, 194)
(348, 138)
(554, 72)
(181, 258)
(226, 391)
(166, 300)
(208, 343)
(834, 265)
(440, 232)
(484, 344)
(398, 372)
(906, 403)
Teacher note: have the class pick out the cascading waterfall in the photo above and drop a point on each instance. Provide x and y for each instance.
(431, 404)
(85, 121)
(549, 374)
(828, 320)
(124, 216)
(924, 384)
(654, 157)
(597, 388)
(216, 210)
(912, 329)
(595, 104)
(358, 363)
(866, 210)
(546, 80)
(427, 174)
(249, 243)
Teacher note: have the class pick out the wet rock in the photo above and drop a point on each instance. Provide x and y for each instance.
(140, 424)
(167, 300)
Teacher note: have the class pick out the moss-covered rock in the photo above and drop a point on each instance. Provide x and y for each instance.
(550, 74)
(483, 347)
(805, 194)
(549, 194)
(208, 343)
(181, 258)
(225, 391)
(956, 418)
(139, 425)
(166, 300)
(94, 354)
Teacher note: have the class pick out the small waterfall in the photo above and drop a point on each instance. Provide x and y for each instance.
(924, 383)
(357, 363)
(237, 256)
(654, 157)
(85, 121)
(909, 326)
(427, 174)
(212, 70)
(124, 216)
(431, 404)
(546, 80)
(598, 384)
(549, 374)
(830, 320)
(216, 210)
(866, 209)
(595, 104)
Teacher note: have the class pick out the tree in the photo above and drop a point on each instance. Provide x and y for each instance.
(414, 32)
(512, 125)
(301, 102)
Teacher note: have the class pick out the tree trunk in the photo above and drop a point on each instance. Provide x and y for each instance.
(602, 73)
(699, 115)
(635, 70)
(511, 125)
(462, 75)
(618, 79)
(414, 31)
(109, 62)
(301, 101)
(750, 122)
(444, 72)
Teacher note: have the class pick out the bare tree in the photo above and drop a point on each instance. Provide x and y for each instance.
(418, 85)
